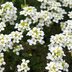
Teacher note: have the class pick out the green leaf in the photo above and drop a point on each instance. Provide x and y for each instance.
(13, 1)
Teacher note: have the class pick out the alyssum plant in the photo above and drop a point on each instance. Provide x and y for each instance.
(51, 11)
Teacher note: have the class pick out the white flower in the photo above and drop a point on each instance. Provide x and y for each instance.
(28, 10)
(67, 3)
(8, 12)
(5, 42)
(2, 59)
(2, 26)
(70, 14)
(53, 67)
(23, 25)
(58, 39)
(24, 66)
(65, 66)
(37, 36)
(16, 36)
(56, 53)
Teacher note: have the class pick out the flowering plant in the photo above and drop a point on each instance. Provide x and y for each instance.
(36, 36)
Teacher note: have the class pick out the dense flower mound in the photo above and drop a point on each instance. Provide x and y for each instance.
(30, 23)
(8, 12)
(58, 42)
(37, 36)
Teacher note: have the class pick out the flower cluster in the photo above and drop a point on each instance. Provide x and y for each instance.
(67, 3)
(5, 42)
(24, 66)
(57, 66)
(44, 18)
(8, 12)
(2, 62)
(67, 32)
(70, 14)
(16, 36)
(58, 42)
(56, 53)
(55, 8)
(28, 10)
(51, 11)
(2, 26)
(31, 12)
(23, 25)
(37, 36)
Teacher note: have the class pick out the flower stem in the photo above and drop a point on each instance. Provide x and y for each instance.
(24, 2)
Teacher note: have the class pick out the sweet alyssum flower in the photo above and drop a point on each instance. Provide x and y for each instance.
(5, 42)
(8, 12)
(58, 42)
(58, 39)
(57, 66)
(70, 14)
(23, 25)
(54, 8)
(31, 12)
(56, 53)
(23, 67)
(16, 36)
(37, 36)
(67, 32)
(67, 3)
(28, 10)
(2, 26)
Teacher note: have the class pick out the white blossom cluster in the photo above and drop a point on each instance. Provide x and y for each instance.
(2, 26)
(70, 14)
(23, 25)
(10, 41)
(58, 42)
(55, 9)
(28, 10)
(16, 36)
(23, 67)
(8, 13)
(50, 11)
(31, 12)
(67, 3)
(44, 18)
(67, 32)
(56, 64)
(37, 36)
(2, 62)
(5, 42)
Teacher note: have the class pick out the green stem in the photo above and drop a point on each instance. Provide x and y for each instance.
(24, 2)
(2, 1)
